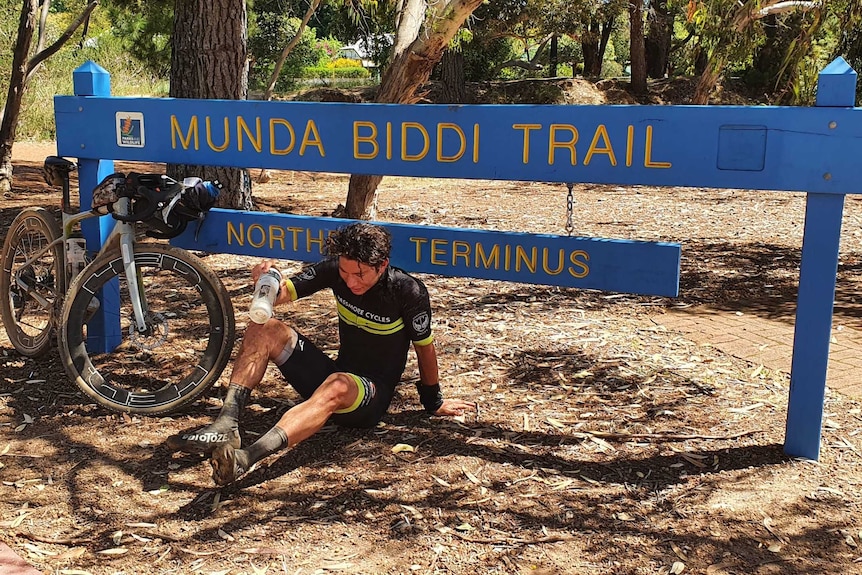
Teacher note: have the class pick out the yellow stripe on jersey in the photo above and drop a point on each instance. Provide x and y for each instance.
(291, 289)
(374, 327)
(423, 342)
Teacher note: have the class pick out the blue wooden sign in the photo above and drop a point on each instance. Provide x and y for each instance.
(764, 148)
(814, 150)
(649, 268)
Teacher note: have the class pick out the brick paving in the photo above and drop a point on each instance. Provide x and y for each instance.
(768, 342)
(11, 564)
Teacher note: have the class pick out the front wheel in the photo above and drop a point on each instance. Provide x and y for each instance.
(179, 353)
(31, 291)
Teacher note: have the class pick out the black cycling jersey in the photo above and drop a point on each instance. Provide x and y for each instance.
(375, 328)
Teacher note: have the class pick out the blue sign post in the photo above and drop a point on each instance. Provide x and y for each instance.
(814, 150)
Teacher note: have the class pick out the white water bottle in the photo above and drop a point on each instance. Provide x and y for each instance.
(265, 292)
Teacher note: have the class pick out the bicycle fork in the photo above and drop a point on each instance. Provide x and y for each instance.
(134, 279)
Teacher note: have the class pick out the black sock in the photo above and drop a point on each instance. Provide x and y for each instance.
(270, 442)
(234, 402)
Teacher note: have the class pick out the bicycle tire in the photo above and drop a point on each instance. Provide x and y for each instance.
(30, 325)
(162, 371)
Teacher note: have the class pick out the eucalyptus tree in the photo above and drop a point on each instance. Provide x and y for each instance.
(26, 61)
(423, 32)
(729, 30)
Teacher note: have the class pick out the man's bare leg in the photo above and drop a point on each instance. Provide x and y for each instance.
(261, 343)
(338, 391)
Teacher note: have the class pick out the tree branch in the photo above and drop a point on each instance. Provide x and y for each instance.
(43, 55)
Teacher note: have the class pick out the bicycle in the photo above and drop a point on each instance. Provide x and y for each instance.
(141, 327)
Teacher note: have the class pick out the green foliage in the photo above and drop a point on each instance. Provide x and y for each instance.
(268, 36)
(144, 28)
(327, 72)
(128, 76)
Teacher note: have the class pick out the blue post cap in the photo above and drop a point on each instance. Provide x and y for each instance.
(836, 84)
(90, 79)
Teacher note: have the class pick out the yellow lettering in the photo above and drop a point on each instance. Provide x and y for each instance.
(426, 142)
(418, 242)
(226, 142)
(648, 163)
(529, 260)
(370, 139)
(507, 258)
(460, 250)
(273, 122)
(630, 144)
(607, 149)
(553, 144)
(461, 137)
(294, 232)
(176, 132)
(276, 236)
(438, 250)
(254, 138)
(234, 234)
(311, 138)
(251, 240)
(388, 140)
(490, 260)
(475, 143)
(545, 257)
(526, 128)
(312, 240)
(581, 264)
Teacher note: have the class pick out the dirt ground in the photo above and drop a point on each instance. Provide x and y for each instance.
(605, 443)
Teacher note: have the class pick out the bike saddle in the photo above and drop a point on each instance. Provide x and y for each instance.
(56, 170)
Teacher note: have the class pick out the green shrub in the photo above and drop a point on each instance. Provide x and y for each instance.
(326, 72)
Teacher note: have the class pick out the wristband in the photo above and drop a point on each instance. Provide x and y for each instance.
(430, 396)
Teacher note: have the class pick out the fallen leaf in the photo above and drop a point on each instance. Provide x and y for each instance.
(442, 482)
(113, 551)
(402, 447)
(72, 553)
(464, 527)
(677, 567)
(225, 535)
(471, 477)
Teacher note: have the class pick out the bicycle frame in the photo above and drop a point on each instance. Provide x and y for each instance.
(125, 231)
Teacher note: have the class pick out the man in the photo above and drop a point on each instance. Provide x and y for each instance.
(381, 311)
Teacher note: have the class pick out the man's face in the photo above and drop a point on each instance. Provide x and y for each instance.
(359, 277)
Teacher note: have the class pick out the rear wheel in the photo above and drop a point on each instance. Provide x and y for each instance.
(30, 293)
(183, 349)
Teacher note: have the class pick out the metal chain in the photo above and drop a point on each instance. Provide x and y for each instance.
(570, 208)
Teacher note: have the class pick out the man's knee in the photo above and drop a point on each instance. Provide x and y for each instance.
(273, 337)
(338, 391)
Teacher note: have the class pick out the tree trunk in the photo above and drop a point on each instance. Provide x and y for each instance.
(706, 83)
(657, 42)
(593, 45)
(411, 66)
(553, 56)
(639, 77)
(452, 77)
(26, 27)
(209, 61)
(590, 49)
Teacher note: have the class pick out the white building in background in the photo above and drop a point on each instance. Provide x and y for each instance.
(363, 51)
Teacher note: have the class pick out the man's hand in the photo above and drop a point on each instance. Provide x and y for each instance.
(455, 407)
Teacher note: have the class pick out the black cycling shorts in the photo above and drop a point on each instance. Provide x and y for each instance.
(307, 368)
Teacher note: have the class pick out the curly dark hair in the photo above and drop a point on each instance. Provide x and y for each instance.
(366, 243)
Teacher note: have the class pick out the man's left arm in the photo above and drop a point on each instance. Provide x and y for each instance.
(429, 385)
